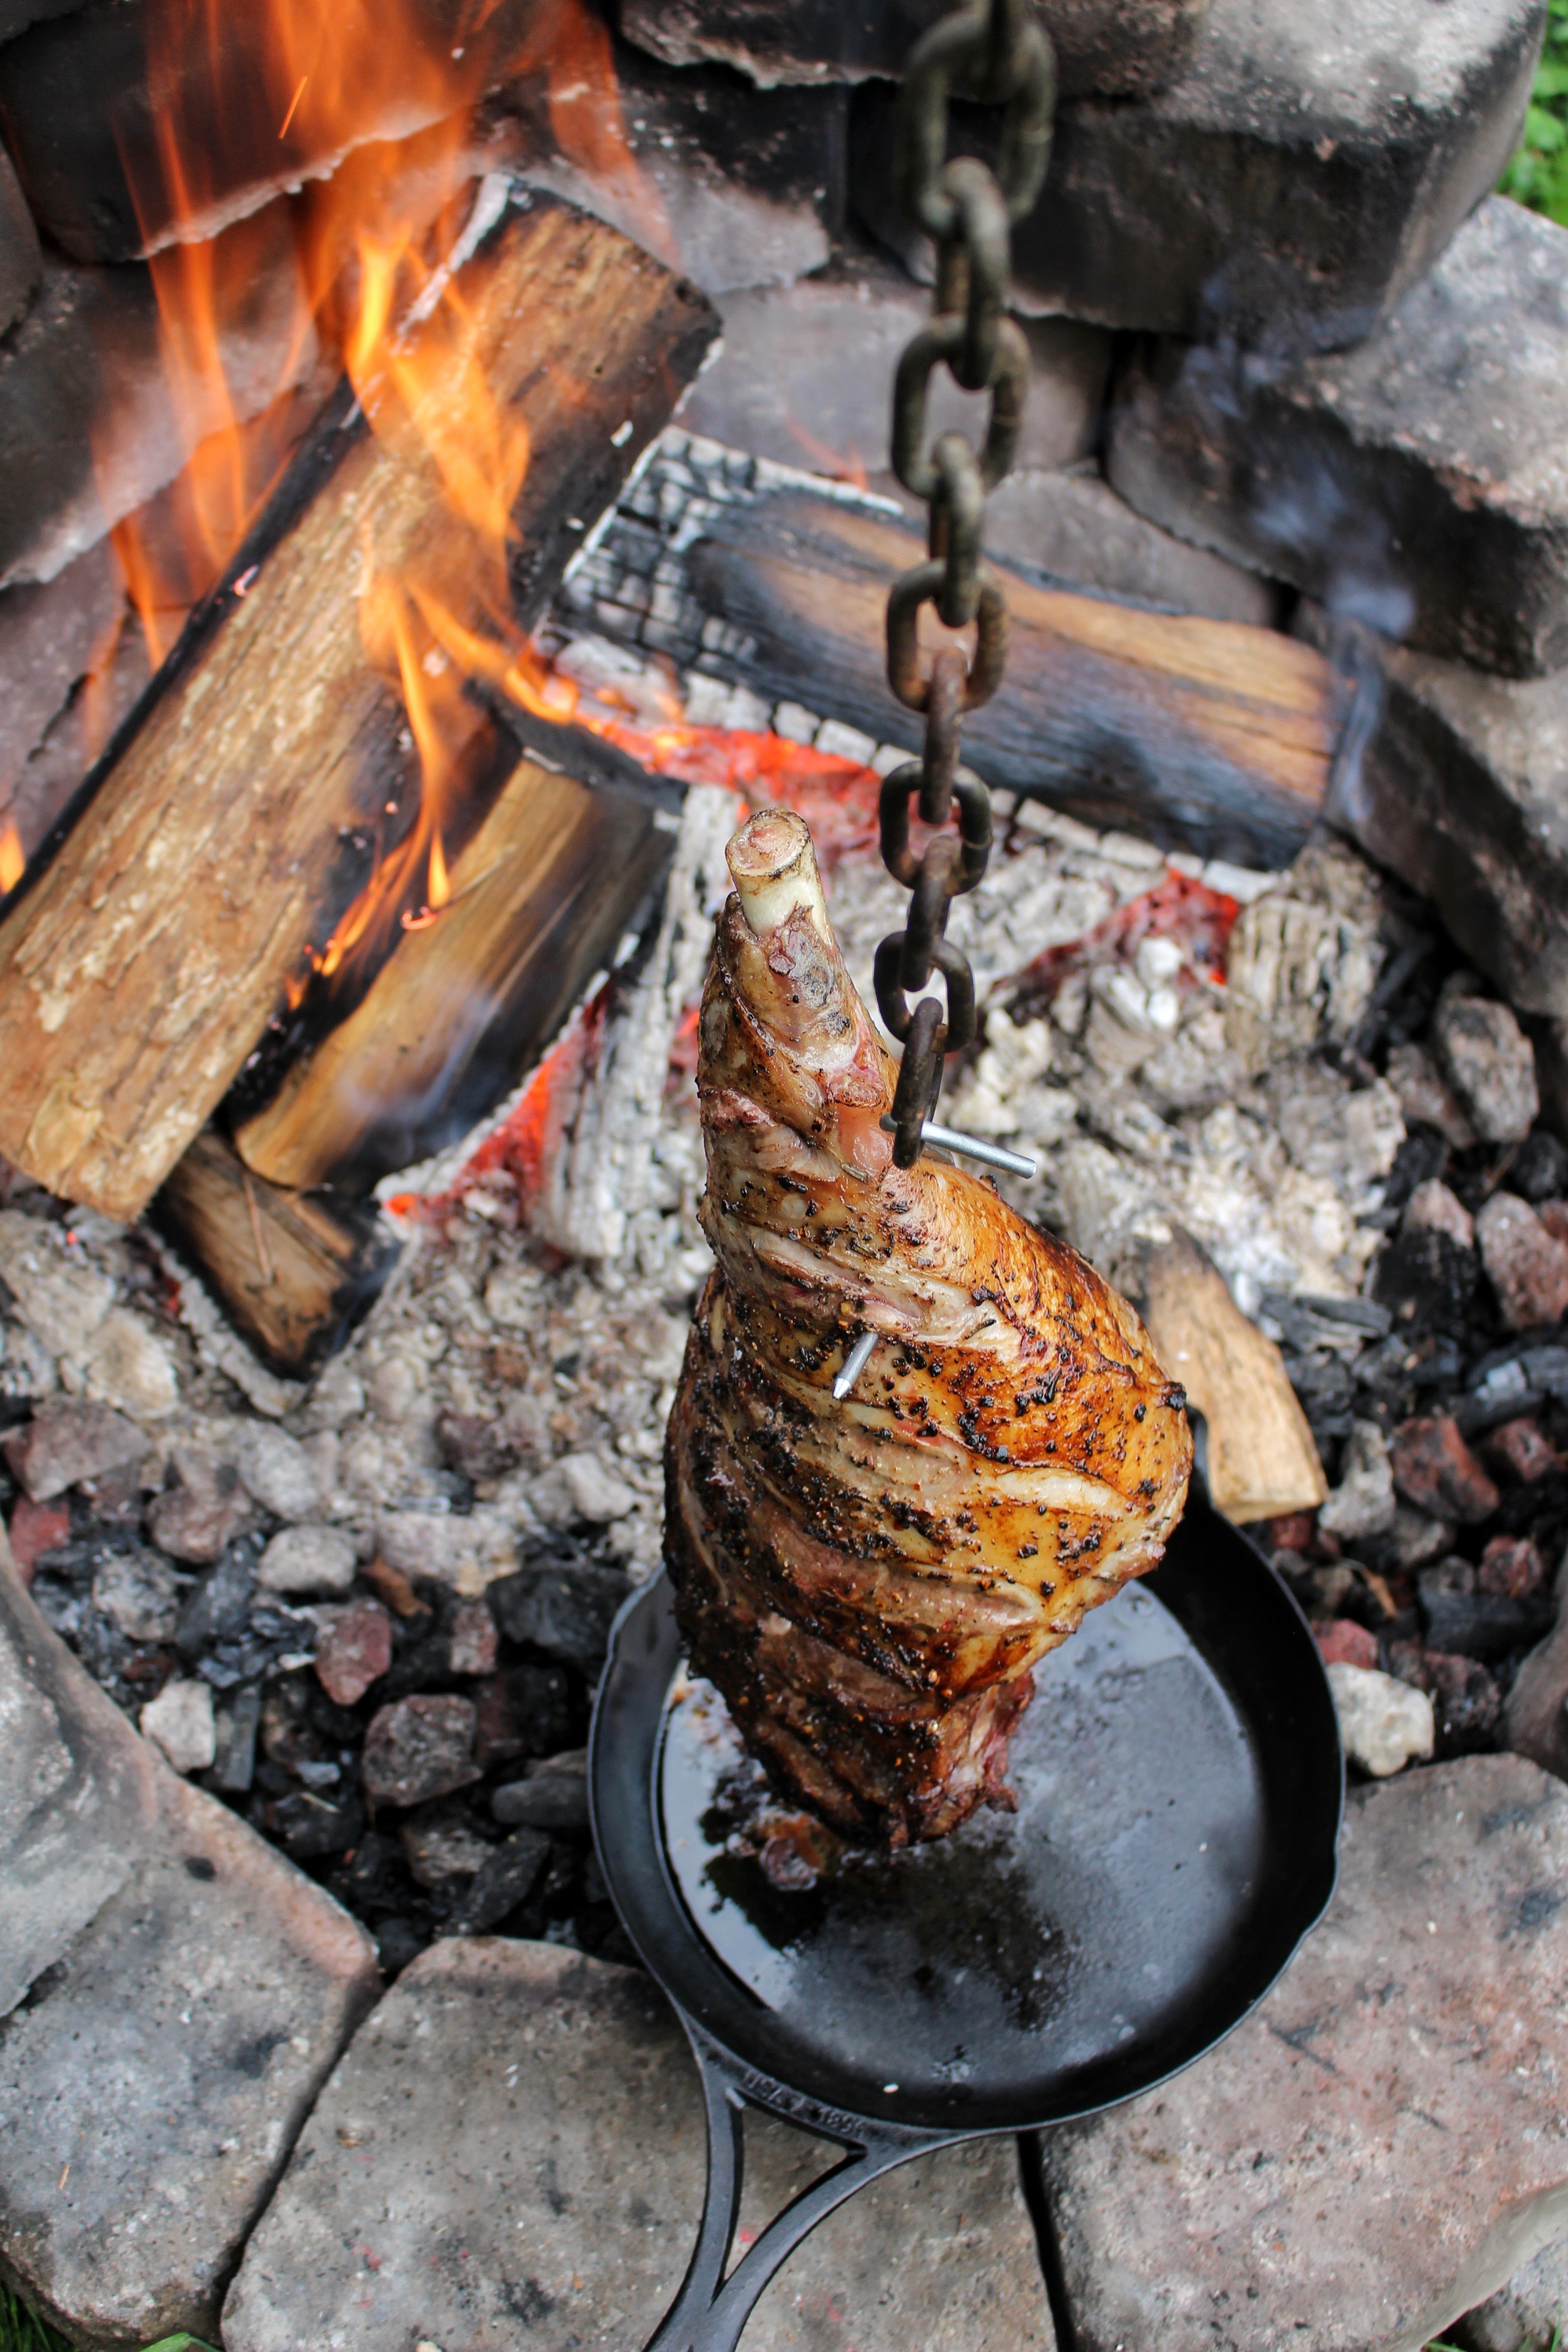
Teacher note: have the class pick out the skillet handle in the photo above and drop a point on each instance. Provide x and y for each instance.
(709, 2312)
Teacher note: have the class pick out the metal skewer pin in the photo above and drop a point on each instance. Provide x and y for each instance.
(972, 1147)
(854, 1364)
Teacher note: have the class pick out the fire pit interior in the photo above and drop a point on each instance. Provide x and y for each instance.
(448, 489)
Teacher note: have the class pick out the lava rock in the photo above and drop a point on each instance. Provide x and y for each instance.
(1287, 190)
(1363, 1504)
(554, 1795)
(473, 1642)
(419, 1747)
(443, 1852)
(1433, 1208)
(507, 1876)
(308, 1560)
(476, 1444)
(1383, 1724)
(179, 1723)
(161, 2076)
(1342, 1642)
(569, 2079)
(567, 1613)
(1528, 1269)
(192, 1518)
(354, 1652)
(68, 1440)
(1120, 52)
(1489, 1062)
(1411, 482)
(1434, 1469)
(35, 1530)
(1382, 2141)
(219, 1608)
(1519, 1450)
(1512, 1567)
(138, 1593)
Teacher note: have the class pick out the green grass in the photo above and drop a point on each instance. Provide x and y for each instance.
(22, 2330)
(1538, 175)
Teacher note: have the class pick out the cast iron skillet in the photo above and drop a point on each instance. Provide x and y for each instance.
(1180, 1788)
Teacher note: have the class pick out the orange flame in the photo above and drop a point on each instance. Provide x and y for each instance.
(11, 858)
(377, 115)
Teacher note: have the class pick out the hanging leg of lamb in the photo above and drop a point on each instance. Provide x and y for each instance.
(868, 1583)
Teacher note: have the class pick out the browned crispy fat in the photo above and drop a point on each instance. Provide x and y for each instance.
(870, 1582)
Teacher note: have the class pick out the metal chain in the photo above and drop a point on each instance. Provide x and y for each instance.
(998, 52)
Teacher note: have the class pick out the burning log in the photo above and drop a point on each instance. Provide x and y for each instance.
(539, 899)
(1208, 735)
(143, 962)
(293, 1273)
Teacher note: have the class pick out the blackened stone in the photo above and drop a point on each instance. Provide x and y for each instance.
(1300, 176)
(219, 1608)
(505, 1879)
(554, 1796)
(89, 426)
(1538, 1168)
(310, 1827)
(1462, 790)
(377, 1878)
(1415, 482)
(1464, 1622)
(398, 1941)
(564, 1612)
(1427, 1279)
(234, 1768)
(88, 102)
(19, 258)
(1434, 1469)
(751, 181)
(1466, 1704)
(526, 1711)
(1117, 48)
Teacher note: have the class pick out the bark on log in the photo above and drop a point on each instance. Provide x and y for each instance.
(293, 1273)
(1262, 1461)
(138, 968)
(540, 897)
(1207, 735)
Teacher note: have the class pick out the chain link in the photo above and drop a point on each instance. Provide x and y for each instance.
(995, 51)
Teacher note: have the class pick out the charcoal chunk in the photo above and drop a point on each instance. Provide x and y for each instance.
(1465, 1621)
(566, 1611)
(505, 1880)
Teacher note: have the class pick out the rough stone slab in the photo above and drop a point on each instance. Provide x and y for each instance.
(1119, 48)
(19, 258)
(511, 2151)
(77, 1792)
(1526, 2311)
(1383, 2142)
(1304, 174)
(169, 2063)
(1074, 527)
(1419, 483)
(1463, 791)
(805, 376)
(88, 428)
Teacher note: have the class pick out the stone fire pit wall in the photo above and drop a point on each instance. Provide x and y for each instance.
(1294, 368)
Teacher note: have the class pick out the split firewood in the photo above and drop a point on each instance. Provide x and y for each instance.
(139, 968)
(1205, 735)
(1262, 1461)
(539, 899)
(293, 1272)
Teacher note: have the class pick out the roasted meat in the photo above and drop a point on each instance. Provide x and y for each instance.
(868, 1583)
